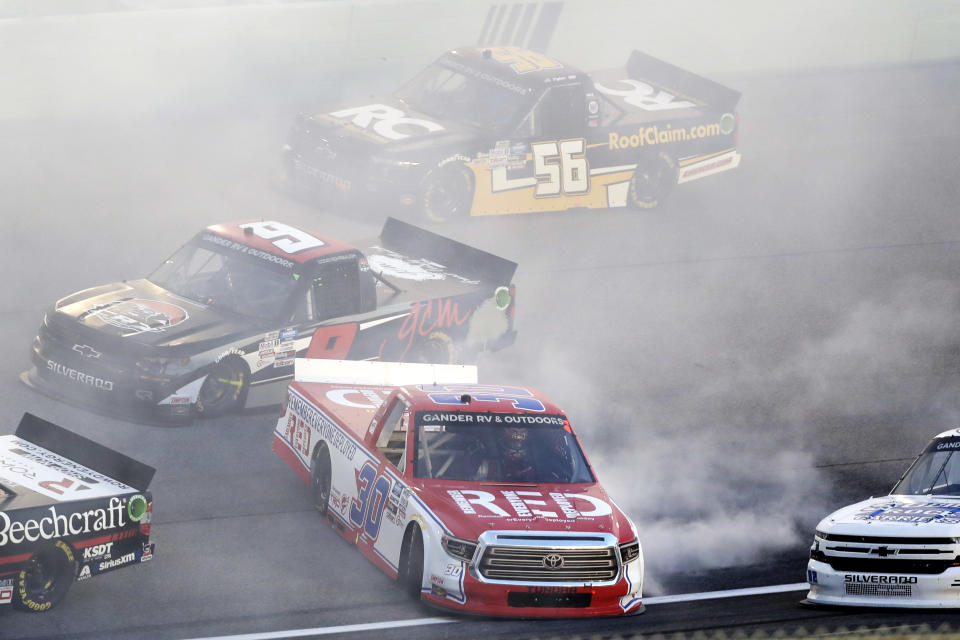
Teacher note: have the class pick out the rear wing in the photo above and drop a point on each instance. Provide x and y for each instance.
(681, 82)
(382, 374)
(460, 258)
(88, 453)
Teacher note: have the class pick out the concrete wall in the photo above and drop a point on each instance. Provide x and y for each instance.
(124, 56)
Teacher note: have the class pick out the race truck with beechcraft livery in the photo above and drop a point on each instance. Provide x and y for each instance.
(475, 498)
(489, 131)
(217, 326)
(70, 509)
(900, 550)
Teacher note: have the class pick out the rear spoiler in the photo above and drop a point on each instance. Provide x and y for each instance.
(681, 82)
(93, 455)
(381, 374)
(460, 258)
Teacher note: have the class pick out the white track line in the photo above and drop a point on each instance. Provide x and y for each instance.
(417, 622)
(730, 593)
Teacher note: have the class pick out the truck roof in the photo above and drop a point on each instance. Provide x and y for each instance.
(279, 239)
(515, 65)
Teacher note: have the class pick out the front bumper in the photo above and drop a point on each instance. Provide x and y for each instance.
(894, 590)
(538, 601)
(102, 384)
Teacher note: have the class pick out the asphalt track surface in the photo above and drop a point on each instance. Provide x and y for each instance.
(805, 304)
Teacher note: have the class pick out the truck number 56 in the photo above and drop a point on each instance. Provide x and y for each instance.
(560, 167)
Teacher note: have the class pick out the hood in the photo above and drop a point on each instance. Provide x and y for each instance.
(897, 515)
(390, 127)
(467, 509)
(140, 313)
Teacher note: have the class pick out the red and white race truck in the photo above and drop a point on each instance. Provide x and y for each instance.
(476, 498)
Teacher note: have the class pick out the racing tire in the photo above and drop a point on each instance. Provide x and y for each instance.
(436, 349)
(46, 579)
(448, 193)
(320, 479)
(652, 181)
(410, 574)
(225, 389)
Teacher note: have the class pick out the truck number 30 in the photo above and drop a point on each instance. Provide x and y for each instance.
(366, 513)
(560, 167)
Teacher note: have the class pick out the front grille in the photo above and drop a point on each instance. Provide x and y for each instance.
(549, 564)
(887, 565)
(876, 540)
(881, 590)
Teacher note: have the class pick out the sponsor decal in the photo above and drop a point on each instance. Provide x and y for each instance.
(861, 579)
(79, 376)
(246, 249)
(945, 444)
(141, 316)
(6, 590)
(290, 333)
(84, 573)
(562, 590)
(97, 551)
(106, 565)
(356, 398)
(527, 504)
(385, 120)
(812, 577)
(523, 60)
(915, 512)
(654, 135)
(483, 75)
(326, 429)
(54, 476)
(58, 525)
(399, 266)
(505, 155)
(644, 96)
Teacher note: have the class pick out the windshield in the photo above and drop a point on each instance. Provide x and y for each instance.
(229, 280)
(454, 91)
(935, 472)
(495, 447)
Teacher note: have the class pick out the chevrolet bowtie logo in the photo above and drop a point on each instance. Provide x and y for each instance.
(883, 552)
(86, 351)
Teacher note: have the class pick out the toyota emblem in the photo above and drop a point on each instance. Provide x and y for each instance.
(553, 561)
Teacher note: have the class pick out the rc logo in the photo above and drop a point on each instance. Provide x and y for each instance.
(387, 120)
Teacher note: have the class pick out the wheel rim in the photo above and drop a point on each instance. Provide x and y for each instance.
(222, 388)
(320, 483)
(448, 195)
(39, 579)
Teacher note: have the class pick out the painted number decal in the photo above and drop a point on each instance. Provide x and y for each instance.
(284, 237)
(367, 508)
(560, 167)
(645, 97)
(521, 60)
(519, 397)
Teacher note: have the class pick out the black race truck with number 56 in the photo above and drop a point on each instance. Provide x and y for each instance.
(489, 131)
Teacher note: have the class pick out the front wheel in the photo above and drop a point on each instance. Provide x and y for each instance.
(320, 479)
(448, 193)
(225, 389)
(652, 181)
(46, 579)
(411, 563)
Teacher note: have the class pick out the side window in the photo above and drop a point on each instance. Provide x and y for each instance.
(392, 442)
(335, 290)
(560, 113)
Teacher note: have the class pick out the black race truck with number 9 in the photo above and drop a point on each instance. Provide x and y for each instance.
(489, 131)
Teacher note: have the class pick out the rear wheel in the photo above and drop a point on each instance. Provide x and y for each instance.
(411, 563)
(225, 389)
(320, 479)
(46, 579)
(448, 193)
(436, 349)
(652, 181)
